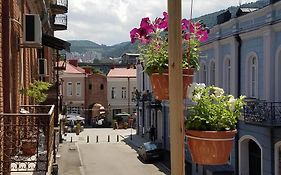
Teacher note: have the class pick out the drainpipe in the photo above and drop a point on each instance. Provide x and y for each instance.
(272, 151)
(239, 41)
(143, 112)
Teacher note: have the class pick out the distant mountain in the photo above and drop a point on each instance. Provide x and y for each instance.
(117, 50)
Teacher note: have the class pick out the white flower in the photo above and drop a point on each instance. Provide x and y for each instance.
(201, 85)
(218, 91)
(191, 89)
(197, 96)
(232, 102)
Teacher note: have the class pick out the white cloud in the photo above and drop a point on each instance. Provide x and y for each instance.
(110, 21)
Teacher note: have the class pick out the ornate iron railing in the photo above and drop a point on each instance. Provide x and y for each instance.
(27, 139)
(60, 22)
(62, 3)
(60, 6)
(262, 113)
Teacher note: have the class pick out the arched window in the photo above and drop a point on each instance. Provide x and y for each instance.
(227, 75)
(254, 158)
(203, 73)
(253, 88)
(250, 156)
(212, 73)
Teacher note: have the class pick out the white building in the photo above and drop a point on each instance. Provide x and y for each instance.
(121, 87)
(73, 88)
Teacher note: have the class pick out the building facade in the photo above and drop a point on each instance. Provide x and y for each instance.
(27, 35)
(121, 85)
(73, 88)
(242, 55)
(96, 93)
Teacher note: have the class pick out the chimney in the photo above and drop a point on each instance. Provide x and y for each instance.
(73, 62)
(88, 70)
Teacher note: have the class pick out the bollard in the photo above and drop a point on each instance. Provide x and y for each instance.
(108, 138)
(97, 139)
(70, 139)
(88, 138)
(117, 138)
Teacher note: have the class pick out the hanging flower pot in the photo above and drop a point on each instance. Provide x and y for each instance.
(160, 83)
(210, 147)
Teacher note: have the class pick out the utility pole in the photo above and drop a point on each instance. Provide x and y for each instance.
(175, 88)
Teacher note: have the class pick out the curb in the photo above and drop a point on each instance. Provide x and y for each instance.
(82, 172)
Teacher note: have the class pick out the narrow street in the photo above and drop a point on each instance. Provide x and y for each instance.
(103, 158)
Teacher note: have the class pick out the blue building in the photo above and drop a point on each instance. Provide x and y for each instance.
(242, 55)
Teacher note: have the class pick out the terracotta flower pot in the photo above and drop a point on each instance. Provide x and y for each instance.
(210, 147)
(29, 147)
(160, 83)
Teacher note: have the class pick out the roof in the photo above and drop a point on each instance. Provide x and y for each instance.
(122, 73)
(73, 70)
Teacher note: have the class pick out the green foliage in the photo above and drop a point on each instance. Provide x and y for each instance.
(155, 56)
(37, 91)
(212, 109)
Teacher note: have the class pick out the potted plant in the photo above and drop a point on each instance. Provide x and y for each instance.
(36, 91)
(153, 39)
(211, 123)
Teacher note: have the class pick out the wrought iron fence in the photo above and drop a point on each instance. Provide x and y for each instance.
(262, 112)
(27, 139)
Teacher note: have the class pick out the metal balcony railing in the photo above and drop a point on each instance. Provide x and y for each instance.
(262, 113)
(60, 22)
(27, 140)
(60, 6)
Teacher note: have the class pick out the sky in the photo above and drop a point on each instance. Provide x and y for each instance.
(109, 22)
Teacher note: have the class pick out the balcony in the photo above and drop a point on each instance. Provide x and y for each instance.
(267, 114)
(27, 138)
(60, 22)
(59, 6)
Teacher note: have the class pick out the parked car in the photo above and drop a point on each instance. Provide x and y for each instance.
(150, 151)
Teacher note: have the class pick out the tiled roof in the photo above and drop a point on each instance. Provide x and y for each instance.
(122, 72)
(73, 70)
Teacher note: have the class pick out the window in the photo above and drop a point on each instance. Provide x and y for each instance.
(253, 77)
(78, 89)
(124, 93)
(212, 73)
(134, 97)
(227, 75)
(101, 87)
(90, 86)
(69, 89)
(203, 76)
(113, 93)
(254, 158)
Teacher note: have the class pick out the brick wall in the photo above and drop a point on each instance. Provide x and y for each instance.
(96, 94)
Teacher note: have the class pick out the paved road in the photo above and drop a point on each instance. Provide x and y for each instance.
(113, 159)
(103, 158)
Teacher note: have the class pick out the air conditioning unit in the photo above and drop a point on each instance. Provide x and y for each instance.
(32, 30)
(42, 67)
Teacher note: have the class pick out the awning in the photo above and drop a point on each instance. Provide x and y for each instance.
(56, 43)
